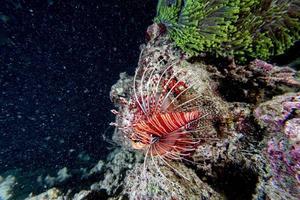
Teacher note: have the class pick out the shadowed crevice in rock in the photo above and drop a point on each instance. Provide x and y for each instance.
(234, 181)
(233, 91)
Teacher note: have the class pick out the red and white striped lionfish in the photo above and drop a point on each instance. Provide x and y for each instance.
(164, 117)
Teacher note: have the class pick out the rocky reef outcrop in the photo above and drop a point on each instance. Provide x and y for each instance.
(280, 116)
(240, 151)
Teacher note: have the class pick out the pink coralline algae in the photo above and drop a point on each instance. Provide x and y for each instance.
(273, 114)
(273, 74)
(260, 73)
(284, 158)
(292, 129)
(281, 118)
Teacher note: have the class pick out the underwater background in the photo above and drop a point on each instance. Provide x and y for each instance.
(58, 62)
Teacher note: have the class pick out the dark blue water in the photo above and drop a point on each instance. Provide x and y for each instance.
(58, 60)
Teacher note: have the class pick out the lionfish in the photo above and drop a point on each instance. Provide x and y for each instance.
(164, 117)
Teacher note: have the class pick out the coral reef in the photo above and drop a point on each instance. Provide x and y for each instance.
(261, 73)
(56, 194)
(244, 29)
(114, 170)
(281, 117)
(153, 186)
(218, 146)
(275, 113)
(255, 81)
(232, 142)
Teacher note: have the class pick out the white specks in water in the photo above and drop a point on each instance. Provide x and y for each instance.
(85, 90)
(43, 125)
(47, 138)
(71, 150)
(32, 118)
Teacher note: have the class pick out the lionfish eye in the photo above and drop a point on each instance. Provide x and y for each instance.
(154, 139)
(136, 141)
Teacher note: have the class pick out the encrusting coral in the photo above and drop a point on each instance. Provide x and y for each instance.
(281, 117)
(245, 29)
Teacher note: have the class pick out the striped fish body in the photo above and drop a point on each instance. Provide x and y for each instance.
(160, 125)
